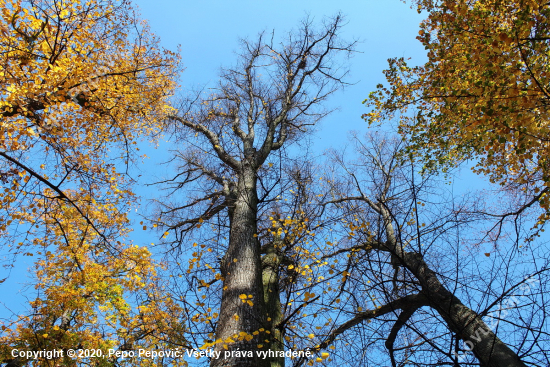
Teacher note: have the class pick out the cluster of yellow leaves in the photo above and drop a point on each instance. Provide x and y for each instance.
(76, 81)
(483, 93)
(84, 293)
(246, 299)
(316, 290)
(72, 77)
(80, 83)
(237, 337)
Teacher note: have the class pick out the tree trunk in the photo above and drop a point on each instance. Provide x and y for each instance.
(467, 324)
(270, 264)
(241, 312)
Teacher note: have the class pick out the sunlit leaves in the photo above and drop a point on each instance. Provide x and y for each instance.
(483, 92)
(79, 84)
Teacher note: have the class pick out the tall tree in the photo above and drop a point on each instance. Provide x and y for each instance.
(409, 251)
(269, 100)
(370, 262)
(80, 83)
(483, 93)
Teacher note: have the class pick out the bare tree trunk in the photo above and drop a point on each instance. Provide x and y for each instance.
(467, 324)
(255, 108)
(392, 237)
(270, 263)
(242, 297)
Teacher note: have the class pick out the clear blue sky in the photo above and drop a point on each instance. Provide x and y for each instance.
(208, 32)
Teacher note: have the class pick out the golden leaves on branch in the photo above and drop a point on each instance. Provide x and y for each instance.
(80, 83)
(483, 92)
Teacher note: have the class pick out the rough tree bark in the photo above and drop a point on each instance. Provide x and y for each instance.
(242, 274)
(270, 277)
(269, 100)
(467, 324)
(461, 320)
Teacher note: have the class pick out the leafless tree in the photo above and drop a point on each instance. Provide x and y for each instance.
(271, 98)
(414, 257)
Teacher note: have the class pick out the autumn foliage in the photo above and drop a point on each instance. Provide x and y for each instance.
(359, 259)
(80, 83)
(482, 94)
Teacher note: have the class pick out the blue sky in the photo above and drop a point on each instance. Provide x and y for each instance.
(209, 31)
(208, 34)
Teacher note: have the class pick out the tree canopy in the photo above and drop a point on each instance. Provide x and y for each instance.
(269, 256)
(80, 83)
(482, 94)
